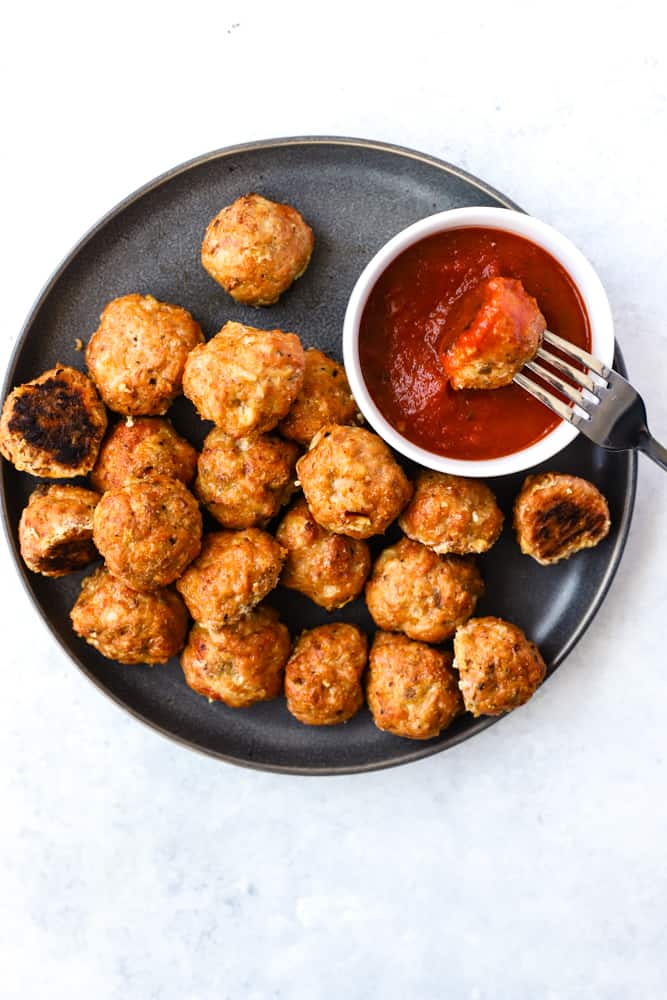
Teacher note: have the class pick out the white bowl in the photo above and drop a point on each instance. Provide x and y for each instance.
(573, 261)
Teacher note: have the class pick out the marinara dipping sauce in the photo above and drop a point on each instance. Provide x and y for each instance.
(404, 328)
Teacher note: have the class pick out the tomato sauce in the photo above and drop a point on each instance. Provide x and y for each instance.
(404, 325)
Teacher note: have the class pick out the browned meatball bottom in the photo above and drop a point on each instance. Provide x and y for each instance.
(325, 398)
(143, 446)
(352, 482)
(239, 664)
(323, 675)
(54, 425)
(415, 591)
(451, 514)
(499, 669)
(411, 689)
(148, 530)
(256, 248)
(56, 529)
(556, 515)
(126, 625)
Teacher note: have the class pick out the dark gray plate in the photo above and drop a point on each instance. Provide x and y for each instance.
(356, 195)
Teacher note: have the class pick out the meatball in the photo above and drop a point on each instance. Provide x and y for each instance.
(239, 664)
(256, 248)
(323, 675)
(494, 329)
(137, 354)
(325, 398)
(235, 571)
(56, 529)
(499, 669)
(126, 625)
(556, 515)
(415, 591)
(411, 689)
(450, 514)
(148, 530)
(330, 569)
(140, 447)
(351, 481)
(54, 425)
(245, 481)
(245, 380)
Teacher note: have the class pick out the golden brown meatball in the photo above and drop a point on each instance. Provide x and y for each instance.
(415, 591)
(351, 481)
(411, 689)
(245, 380)
(325, 398)
(137, 354)
(330, 569)
(148, 530)
(494, 330)
(239, 664)
(235, 571)
(452, 514)
(245, 481)
(126, 625)
(499, 669)
(323, 675)
(256, 248)
(556, 515)
(139, 447)
(56, 529)
(53, 426)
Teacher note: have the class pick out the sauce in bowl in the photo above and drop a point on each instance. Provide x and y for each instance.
(404, 328)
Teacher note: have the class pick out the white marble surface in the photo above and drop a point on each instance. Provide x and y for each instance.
(527, 863)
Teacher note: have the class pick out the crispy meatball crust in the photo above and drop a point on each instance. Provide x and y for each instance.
(352, 482)
(415, 591)
(148, 530)
(245, 380)
(244, 482)
(499, 669)
(56, 529)
(54, 425)
(451, 514)
(137, 354)
(556, 515)
(126, 625)
(330, 569)
(143, 446)
(323, 675)
(411, 689)
(239, 664)
(325, 398)
(256, 248)
(235, 571)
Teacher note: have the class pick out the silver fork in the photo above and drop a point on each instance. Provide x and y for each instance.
(601, 403)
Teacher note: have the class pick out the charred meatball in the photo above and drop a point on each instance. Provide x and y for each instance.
(330, 569)
(325, 398)
(411, 690)
(56, 529)
(245, 380)
(415, 591)
(148, 530)
(126, 625)
(351, 481)
(245, 481)
(256, 248)
(143, 446)
(54, 425)
(235, 571)
(323, 675)
(499, 669)
(452, 514)
(137, 354)
(239, 664)
(556, 515)
(494, 329)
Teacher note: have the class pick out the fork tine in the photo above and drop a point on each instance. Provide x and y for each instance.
(577, 353)
(554, 382)
(576, 374)
(573, 414)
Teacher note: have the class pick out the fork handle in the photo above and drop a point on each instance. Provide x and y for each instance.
(653, 449)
